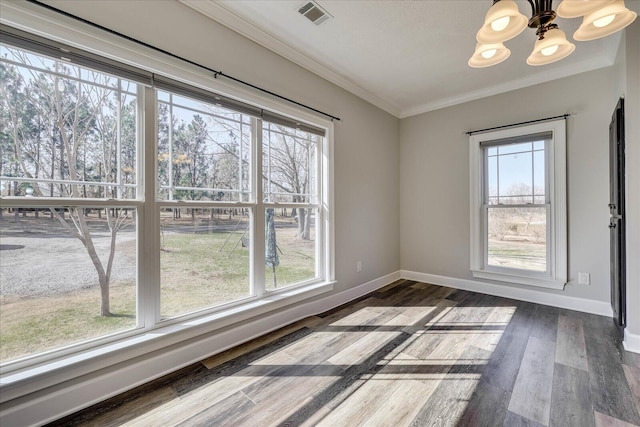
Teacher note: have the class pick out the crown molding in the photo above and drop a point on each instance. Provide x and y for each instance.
(218, 12)
(558, 73)
(221, 14)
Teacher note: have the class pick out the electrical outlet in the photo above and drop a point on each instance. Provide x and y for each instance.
(584, 279)
(358, 266)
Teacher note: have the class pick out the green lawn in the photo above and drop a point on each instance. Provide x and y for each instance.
(35, 325)
(518, 254)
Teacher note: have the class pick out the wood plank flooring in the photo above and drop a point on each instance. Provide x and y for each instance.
(410, 354)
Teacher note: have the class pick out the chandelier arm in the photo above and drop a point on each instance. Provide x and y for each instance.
(533, 7)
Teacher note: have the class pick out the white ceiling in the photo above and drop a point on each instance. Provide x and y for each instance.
(406, 57)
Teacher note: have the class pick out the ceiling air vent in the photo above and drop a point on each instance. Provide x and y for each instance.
(314, 12)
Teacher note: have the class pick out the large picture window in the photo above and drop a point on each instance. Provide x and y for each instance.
(518, 208)
(109, 231)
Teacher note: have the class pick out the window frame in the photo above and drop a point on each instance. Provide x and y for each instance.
(152, 331)
(555, 182)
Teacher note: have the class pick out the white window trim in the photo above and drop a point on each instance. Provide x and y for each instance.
(32, 374)
(557, 277)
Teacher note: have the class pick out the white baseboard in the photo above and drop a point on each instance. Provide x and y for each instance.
(530, 295)
(54, 402)
(344, 297)
(631, 342)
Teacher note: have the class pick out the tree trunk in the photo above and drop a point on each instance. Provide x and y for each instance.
(103, 277)
(104, 296)
(84, 235)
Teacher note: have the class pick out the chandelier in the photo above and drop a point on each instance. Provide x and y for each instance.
(504, 21)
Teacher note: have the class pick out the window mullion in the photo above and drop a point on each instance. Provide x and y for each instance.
(320, 216)
(497, 175)
(485, 203)
(240, 168)
(549, 166)
(258, 217)
(119, 142)
(149, 228)
(551, 262)
(269, 183)
(485, 176)
(170, 147)
(485, 235)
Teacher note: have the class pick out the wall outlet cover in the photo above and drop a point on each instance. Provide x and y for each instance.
(583, 278)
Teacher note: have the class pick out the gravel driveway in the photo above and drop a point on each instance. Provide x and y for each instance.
(39, 258)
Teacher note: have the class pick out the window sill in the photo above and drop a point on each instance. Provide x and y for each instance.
(34, 378)
(521, 280)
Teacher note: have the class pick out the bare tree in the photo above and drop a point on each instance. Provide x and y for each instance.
(79, 116)
(291, 157)
(517, 208)
(291, 160)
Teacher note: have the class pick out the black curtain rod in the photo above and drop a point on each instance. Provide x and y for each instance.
(216, 73)
(564, 116)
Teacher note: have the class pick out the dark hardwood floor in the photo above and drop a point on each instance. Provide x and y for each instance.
(409, 354)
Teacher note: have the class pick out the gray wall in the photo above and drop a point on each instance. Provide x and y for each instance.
(366, 154)
(434, 165)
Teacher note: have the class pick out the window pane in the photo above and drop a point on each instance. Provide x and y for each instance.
(290, 249)
(514, 148)
(538, 173)
(204, 258)
(515, 178)
(539, 200)
(517, 237)
(515, 174)
(289, 164)
(203, 151)
(492, 176)
(64, 126)
(50, 287)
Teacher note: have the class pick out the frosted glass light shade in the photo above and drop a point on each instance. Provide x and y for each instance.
(578, 8)
(505, 17)
(487, 55)
(553, 47)
(599, 23)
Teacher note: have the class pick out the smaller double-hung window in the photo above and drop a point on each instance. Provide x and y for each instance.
(518, 207)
